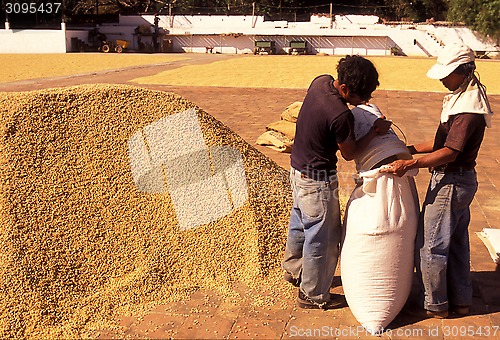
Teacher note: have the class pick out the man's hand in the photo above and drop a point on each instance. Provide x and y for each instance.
(399, 167)
(381, 126)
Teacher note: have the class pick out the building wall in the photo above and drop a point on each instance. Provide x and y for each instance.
(340, 45)
(236, 34)
(32, 41)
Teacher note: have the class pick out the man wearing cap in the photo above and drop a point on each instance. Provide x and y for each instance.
(442, 245)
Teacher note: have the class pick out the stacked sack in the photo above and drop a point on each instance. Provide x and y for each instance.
(280, 135)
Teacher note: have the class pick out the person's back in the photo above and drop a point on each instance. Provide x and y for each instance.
(315, 144)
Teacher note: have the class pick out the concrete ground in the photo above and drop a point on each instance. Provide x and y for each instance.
(247, 111)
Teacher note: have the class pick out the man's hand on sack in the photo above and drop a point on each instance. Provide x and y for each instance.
(381, 126)
(399, 167)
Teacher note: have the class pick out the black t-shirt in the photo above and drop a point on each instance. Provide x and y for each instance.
(324, 121)
(464, 133)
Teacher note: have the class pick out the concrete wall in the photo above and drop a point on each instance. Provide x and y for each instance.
(112, 32)
(80, 34)
(413, 42)
(32, 41)
(345, 35)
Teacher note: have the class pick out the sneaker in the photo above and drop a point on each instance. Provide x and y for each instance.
(336, 301)
(460, 310)
(289, 278)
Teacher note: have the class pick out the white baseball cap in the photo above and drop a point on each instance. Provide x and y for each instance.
(450, 57)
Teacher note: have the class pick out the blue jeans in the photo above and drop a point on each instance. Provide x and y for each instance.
(442, 244)
(314, 233)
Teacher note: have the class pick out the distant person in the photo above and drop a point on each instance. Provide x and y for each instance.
(138, 33)
(156, 33)
(324, 126)
(442, 245)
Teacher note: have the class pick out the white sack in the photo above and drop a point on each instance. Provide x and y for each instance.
(377, 252)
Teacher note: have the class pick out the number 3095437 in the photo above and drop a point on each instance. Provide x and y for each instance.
(32, 8)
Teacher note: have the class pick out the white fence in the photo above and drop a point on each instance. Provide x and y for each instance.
(32, 41)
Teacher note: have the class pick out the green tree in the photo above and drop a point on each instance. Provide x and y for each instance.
(435, 9)
(402, 8)
(480, 15)
(416, 10)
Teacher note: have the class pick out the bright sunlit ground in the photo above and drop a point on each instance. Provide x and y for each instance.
(396, 73)
(31, 66)
(278, 71)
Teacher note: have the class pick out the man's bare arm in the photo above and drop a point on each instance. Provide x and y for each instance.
(351, 149)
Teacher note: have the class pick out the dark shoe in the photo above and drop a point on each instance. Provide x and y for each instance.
(336, 301)
(436, 315)
(288, 277)
(336, 282)
(460, 310)
(425, 313)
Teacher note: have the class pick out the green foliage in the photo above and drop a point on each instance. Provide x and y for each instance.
(435, 9)
(487, 20)
(481, 15)
(400, 9)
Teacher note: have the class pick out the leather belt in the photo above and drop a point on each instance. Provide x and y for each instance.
(452, 169)
(319, 175)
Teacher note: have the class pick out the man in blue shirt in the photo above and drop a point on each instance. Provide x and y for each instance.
(324, 126)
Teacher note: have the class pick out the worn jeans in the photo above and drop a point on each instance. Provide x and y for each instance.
(442, 244)
(314, 233)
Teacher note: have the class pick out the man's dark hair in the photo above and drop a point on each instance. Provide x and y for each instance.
(359, 75)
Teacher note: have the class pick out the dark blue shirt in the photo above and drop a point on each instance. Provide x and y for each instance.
(324, 122)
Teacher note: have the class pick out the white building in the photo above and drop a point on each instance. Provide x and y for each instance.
(343, 34)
